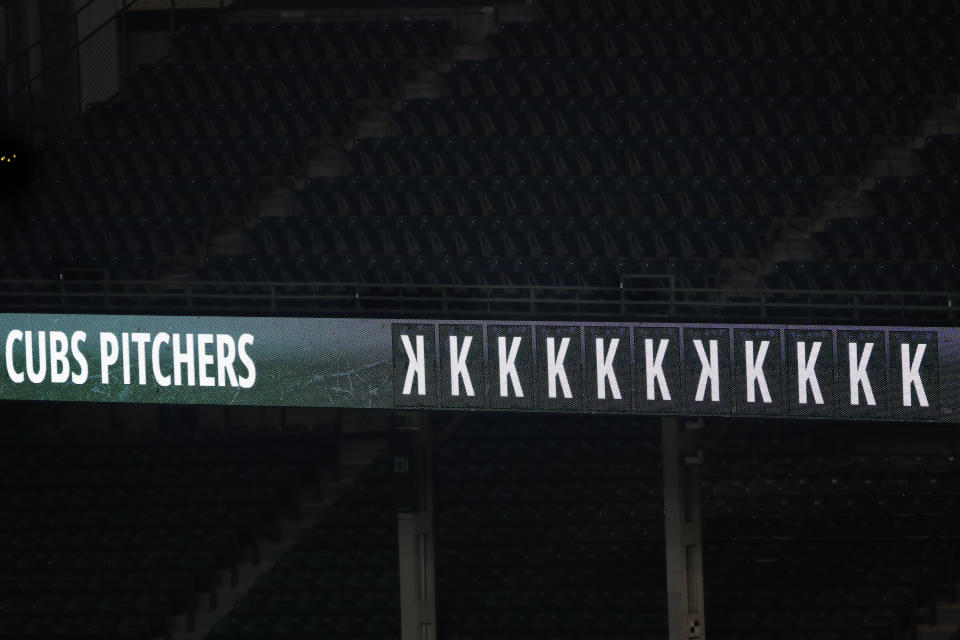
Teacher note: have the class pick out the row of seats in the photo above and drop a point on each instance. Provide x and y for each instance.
(250, 82)
(787, 453)
(932, 205)
(545, 184)
(178, 157)
(760, 160)
(135, 119)
(745, 77)
(727, 38)
(894, 557)
(761, 577)
(745, 460)
(504, 116)
(872, 239)
(509, 235)
(177, 197)
(631, 242)
(841, 507)
(363, 251)
(361, 624)
(668, 9)
(925, 186)
(559, 597)
(339, 197)
(739, 22)
(408, 236)
(883, 224)
(662, 104)
(603, 144)
(467, 156)
(451, 266)
(941, 155)
(866, 624)
(284, 157)
(243, 446)
(132, 626)
(745, 66)
(540, 117)
(60, 237)
(496, 434)
(220, 477)
(239, 188)
(312, 41)
(251, 30)
(833, 486)
(897, 558)
(864, 276)
(507, 222)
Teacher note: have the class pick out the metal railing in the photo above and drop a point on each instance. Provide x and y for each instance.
(647, 297)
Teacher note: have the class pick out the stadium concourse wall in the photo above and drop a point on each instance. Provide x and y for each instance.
(788, 371)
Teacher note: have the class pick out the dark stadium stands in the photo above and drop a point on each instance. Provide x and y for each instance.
(108, 533)
(339, 581)
(647, 137)
(309, 42)
(550, 528)
(577, 10)
(553, 527)
(816, 531)
(839, 119)
(702, 144)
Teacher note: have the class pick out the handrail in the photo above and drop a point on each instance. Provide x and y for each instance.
(654, 301)
(172, 283)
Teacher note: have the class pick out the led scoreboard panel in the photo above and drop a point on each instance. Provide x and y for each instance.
(879, 373)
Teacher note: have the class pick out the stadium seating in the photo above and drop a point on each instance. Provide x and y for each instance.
(816, 534)
(808, 530)
(890, 239)
(550, 528)
(340, 580)
(109, 535)
(613, 138)
(676, 135)
(309, 42)
(585, 10)
(646, 115)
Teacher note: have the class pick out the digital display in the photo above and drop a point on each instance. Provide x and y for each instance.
(889, 373)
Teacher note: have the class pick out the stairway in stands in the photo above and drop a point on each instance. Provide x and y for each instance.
(897, 156)
(338, 580)
(122, 530)
(356, 456)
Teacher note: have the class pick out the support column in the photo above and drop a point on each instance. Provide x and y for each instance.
(412, 463)
(683, 529)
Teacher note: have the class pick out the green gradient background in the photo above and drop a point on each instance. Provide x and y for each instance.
(299, 361)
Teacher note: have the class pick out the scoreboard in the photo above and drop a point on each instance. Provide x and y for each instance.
(798, 371)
